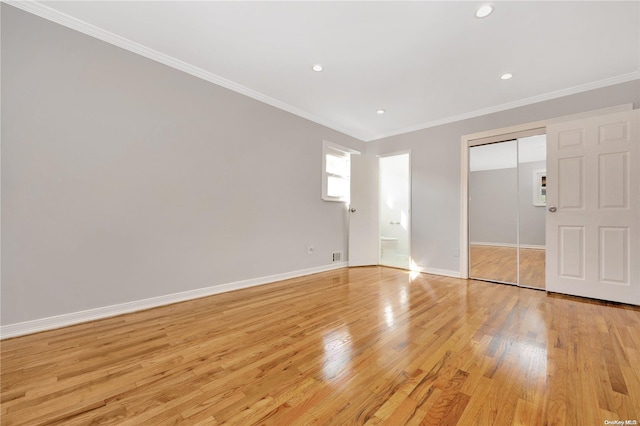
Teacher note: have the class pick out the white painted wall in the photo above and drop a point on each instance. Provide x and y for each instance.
(435, 166)
(124, 179)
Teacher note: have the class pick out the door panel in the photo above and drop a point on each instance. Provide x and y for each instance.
(532, 166)
(571, 245)
(614, 255)
(493, 212)
(570, 139)
(571, 183)
(613, 185)
(593, 171)
(363, 222)
(614, 132)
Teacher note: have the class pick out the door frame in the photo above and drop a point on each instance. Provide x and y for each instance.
(497, 135)
(409, 213)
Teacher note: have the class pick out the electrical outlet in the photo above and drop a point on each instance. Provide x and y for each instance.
(309, 249)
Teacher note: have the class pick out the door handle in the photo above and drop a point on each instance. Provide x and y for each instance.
(352, 210)
(553, 209)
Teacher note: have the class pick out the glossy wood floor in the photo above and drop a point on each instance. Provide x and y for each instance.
(501, 264)
(367, 345)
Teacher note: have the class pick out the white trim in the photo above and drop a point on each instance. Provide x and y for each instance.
(464, 209)
(58, 321)
(337, 150)
(624, 78)
(39, 9)
(466, 141)
(532, 247)
(442, 272)
(482, 243)
(335, 146)
(435, 271)
(524, 246)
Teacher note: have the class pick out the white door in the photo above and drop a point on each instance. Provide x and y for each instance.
(593, 207)
(363, 211)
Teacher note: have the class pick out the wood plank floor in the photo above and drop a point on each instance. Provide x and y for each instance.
(496, 263)
(369, 345)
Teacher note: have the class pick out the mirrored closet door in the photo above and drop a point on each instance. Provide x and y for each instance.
(507, 198)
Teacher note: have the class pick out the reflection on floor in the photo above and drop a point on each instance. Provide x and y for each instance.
(395, 260)
(532, 267)
(352, 346)
(500, 264)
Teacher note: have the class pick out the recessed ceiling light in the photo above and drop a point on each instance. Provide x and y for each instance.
(317, 68)
(484, 11)
(506, 76)
(380, 111)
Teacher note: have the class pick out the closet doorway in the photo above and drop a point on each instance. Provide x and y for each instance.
(507, 203)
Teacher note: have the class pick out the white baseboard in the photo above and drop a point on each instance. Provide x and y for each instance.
(58, 321)
(443, 272)
(482, 243)
(435, 271)
(524, 246)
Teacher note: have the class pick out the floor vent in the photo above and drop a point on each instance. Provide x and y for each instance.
(337, 256)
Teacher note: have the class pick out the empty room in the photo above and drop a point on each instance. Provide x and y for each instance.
(329, 213)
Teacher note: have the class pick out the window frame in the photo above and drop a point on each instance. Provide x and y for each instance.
(329, 148)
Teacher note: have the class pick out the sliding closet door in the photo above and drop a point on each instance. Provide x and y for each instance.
(493, 207)
(532, 193)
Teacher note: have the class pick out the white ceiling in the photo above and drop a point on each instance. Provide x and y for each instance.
(425, 63)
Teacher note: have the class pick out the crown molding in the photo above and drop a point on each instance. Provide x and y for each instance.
(624, 78)
(42, 10)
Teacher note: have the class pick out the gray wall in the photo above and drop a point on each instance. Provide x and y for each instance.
(124, 179)
(493, 206)
(435, 165)
(494, 209)
(532, 218)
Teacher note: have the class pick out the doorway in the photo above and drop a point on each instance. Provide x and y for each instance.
(395, 210)
(507, 199)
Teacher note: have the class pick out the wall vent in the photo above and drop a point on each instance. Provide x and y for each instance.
(337, 256)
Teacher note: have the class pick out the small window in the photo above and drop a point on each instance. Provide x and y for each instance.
(336, 173)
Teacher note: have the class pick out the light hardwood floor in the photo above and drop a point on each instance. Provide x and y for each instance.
(366, 345)
(501, 264)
